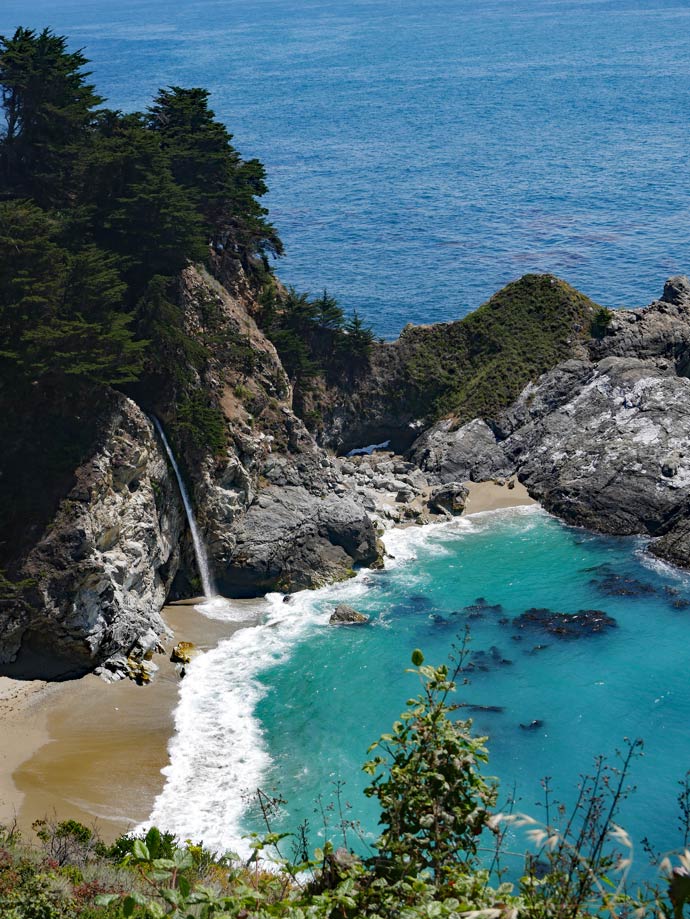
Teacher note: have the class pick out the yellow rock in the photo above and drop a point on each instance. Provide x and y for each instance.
(182, 652)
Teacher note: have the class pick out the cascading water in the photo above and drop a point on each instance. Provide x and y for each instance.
(199, 547)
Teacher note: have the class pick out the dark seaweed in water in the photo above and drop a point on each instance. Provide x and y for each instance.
(613, 584)
(485, 660)
(566, 625)
(676, 599)
(480, 608)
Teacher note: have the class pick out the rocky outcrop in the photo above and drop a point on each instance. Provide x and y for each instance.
(346, 615)
(458, 454)
(100, 573)
(615, 456)
(661, 330)
(474, 367)
(269, 504)
(602, 439)
(448, 499)
(290, 539)
(603, 442)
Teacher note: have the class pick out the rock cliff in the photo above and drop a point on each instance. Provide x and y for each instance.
(102, 568)
(602, 442)
(271, 504)
(602, 438)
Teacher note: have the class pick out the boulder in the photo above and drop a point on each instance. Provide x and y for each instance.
(448, 498)
(456, 454)
(182, 652)
(346, 615)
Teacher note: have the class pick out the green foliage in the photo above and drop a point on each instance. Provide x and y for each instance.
(60, 310)
(601, 322)
(434, 801)
(203, 161)
(12, 590)
(477, 366)
(100, 210)
(48, 108)
(200, 422)
(313, 338)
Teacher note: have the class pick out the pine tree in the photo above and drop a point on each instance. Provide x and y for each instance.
(359, 338)
(330, 315)
(61, 312)
(134, 206)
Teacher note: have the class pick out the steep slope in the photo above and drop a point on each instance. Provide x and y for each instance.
(474, 367)
(92, 558)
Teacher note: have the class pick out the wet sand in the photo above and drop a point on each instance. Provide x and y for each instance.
(488, 496)
(92, 751)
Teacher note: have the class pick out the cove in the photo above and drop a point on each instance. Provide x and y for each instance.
(292, 703)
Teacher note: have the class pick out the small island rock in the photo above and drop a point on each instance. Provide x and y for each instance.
(346, 615)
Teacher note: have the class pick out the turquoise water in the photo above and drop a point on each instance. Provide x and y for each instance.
(421, 155)
(292, 704)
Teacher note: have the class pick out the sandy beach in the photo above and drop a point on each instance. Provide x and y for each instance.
(488, 496)
(94, 751)
(90, 750)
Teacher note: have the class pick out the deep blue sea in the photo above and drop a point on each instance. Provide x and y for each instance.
(422, 153)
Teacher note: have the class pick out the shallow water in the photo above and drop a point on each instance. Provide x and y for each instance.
(422, 155)
(292, 704)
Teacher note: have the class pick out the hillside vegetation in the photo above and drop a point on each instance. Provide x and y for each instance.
(477, 366)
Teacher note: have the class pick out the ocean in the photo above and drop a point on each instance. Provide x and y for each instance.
(422, 154)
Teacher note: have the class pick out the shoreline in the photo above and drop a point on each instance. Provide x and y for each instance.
(92, 751)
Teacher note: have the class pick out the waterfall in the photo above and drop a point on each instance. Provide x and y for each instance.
(199, 547)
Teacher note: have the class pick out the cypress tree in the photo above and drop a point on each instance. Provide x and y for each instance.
(49, 109)
(223, 187)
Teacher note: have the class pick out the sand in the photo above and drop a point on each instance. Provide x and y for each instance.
(90, 750)
(488, 496)
(94, 751)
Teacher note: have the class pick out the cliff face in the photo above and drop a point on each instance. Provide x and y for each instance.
(102, 564)
(267, 502)
(602, 438)
(102, 568)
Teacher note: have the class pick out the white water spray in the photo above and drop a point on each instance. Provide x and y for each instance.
(199, 547)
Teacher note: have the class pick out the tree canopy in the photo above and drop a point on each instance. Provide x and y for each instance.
(99, 210)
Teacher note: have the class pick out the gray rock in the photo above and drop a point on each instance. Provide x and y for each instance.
(470, 452)
(103, 567)
(346, 615)
(597, 460)
(293, 539)
(602, 443)
(449, 498)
